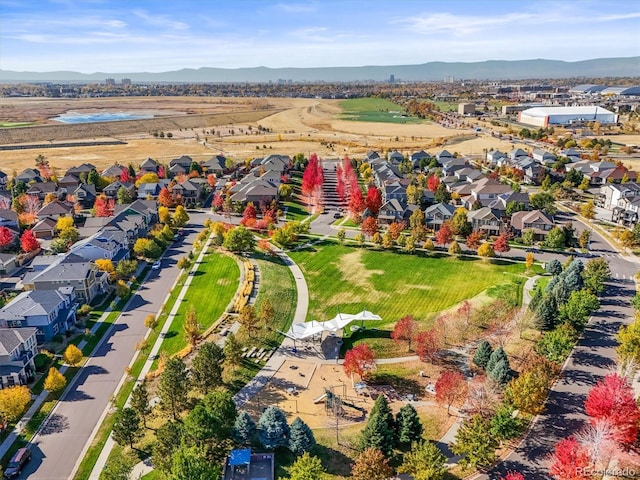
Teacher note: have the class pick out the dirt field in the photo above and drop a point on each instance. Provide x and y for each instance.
(298, 125)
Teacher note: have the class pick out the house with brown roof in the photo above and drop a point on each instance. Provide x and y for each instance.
(55, 210)
(536, 220)
(485, 220)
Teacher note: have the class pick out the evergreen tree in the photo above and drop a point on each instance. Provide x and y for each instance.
(381, 407)
(140, 402)
(200, 425)
(173, 387)
(206, 368)
(301, 437)
(273, 429)
(501, 372)
(474, 443)
(425, 461)
(168, 439)
(222, 411)
(244, 429)
(497, 355)
(408, 425)
(126, 427)
(554, 267)
(546, 314)
(483, 354)
(378, 435)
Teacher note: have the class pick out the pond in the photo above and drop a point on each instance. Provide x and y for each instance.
(76, 117)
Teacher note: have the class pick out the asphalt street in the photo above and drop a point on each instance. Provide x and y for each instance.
(59, 444)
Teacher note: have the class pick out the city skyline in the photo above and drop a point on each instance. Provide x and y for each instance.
(117, 36)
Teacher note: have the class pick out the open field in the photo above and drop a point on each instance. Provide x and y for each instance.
(375, 110)
(393, 285)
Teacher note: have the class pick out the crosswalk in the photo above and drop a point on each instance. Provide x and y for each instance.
(622, 277)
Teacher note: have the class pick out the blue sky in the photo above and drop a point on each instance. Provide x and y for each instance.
(138, 35)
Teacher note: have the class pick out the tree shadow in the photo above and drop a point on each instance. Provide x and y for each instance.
(56, 423)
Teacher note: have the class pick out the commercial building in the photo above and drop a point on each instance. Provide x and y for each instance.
(547, 116)
(466, 108)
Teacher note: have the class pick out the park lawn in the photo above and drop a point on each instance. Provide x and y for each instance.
(212, 288)
(393, 285)
(375, 110)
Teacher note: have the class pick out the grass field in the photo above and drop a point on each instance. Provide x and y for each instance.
(211, 290)
(375, 110)
(16, 124)
(393, 285)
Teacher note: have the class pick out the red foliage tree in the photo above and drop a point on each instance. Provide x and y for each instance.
(502, 243)
(161, 172)
(369, 226)
(569, 461)
(473, 240)
(374, 200)
(29, 242)
(444, 235)
(612, 400)
(356, 204)
(217, 201)
(360, 360)
(125, 176)
(249, 215)
(428, 344)
(165, 198)
(450, 387)
(340, 183)
(6, 237)
(405, 330)
(433, 182)
(104, 206)
(513, 476)
(395, 229)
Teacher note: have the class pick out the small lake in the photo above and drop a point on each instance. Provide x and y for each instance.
(75, 117)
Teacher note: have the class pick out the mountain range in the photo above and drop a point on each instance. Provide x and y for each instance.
(432, 71)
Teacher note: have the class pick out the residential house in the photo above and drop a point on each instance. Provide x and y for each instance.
(186, 193)
(572, 154)
(70, 182)
(85, 194)
(371, 155)
(500, 204)
(444, 155)
(81, 170)
(496, 156)
(18, 348)
(4, 178)
(42, 189)
(391, 211)
(8, 264)
(534, 174)
(50, 312)
(435, 215)
(55, 210)
(29, 175)
(277, 163)
(255, 190)
(626, 211)
(485, 191)
(149, 166)
(5, 199)
(543, 157)
(45, 228)
(416, 157)
(451, 164)
(536, 220)
(608, 197)
(395, 157)
(468, 174)
(516, 153)
(180, 166)
(68, 270)
(216, 165)
(597, 172)
(9, 218)
(108, 243)
(111, 190)
(485, 220)
(114, 171)
(149, 190)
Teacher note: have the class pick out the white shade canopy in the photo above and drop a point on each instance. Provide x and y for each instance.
(366, 315)
(299, 331)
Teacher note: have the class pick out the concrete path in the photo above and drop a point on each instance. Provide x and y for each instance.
(108, 446)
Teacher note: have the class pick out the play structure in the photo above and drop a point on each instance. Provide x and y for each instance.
(334, 403)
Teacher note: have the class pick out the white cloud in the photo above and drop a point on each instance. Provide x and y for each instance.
(296, 7)
(163, 21)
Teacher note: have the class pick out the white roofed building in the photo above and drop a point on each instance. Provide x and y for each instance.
(546, 116)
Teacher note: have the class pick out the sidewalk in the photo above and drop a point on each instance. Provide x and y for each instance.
(40, 399)
(108, 446)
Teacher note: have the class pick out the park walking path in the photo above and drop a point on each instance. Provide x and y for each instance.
(40, 399)
(153, 354)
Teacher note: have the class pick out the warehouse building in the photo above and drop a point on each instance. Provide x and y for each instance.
(630, 91)
(546, 116)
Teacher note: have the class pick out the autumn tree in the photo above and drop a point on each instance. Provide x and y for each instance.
(106, 265)
(248, 319)
(6, 237)
(433, 182)
(249, 215)
(306, 467)
(369, 226)
(501, 244)
(528, 391)
(72, 355)
(359, 360)
(450, 387)
(55, 381)
(473, 444)
(486, 251)
(180, 217)
(588, 210)
(356, 204)
(629, 339)
(445, 234)
(612, 400)
(428, 343)
(13, 402)
(569, 461)
(460, 224)
(454, 248)
(395, 229)
(529, 260)
(473, 240)
(104, 206)
(373, 201)
(191, 327)
(28, 242)
(405, 330)
(371, 464)
(425, 461)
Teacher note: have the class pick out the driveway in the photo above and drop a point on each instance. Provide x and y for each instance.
(59, 445)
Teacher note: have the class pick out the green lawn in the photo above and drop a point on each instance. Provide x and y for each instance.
(375, 110)
(15, 124)
(211, 290)
(393, 285)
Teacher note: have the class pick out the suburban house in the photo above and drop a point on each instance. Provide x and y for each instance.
(50, 312)
(42, 189)
(149, 190)
(485, 191)
(111, 190)
(437, 214)
(626, 211)
(371, 155)
(70, 182)
(114, 171)
(8, 263)
(416, 157)
(149, 166)
(29, 175)
(485, 220)
(600, 173)
(536, 220)
(67, 270)
(186, 193)
(495, 157)
(180, 165)
(443, 155)
(391, 211)
(517, 153)
(543, 157)
(255, 190)
(395, 157)
(108, 243)
(18, 348)
(45, 228)
(134, 220)
(85, 195)
(55, 210)
(572, 154)
(608, 197)
(4, 178)
(216, 165)
(9, 218)
(82, 169)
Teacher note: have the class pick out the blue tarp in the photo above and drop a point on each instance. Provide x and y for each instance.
(241, 456)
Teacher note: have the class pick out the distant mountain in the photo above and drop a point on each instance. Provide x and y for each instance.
(488, 70)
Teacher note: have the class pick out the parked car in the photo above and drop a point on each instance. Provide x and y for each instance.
(156, 265)
(19, 459)
(337, 215)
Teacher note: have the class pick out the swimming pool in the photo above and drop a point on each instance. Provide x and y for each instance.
(75, 117)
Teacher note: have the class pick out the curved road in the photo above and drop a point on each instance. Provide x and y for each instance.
(58, 446)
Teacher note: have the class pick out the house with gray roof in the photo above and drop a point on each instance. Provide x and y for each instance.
(536, 220)
(416, 157)
(443, 155)
(149, 166)
(4, 178)
(216, 165)
(45, 228)
(18, 348)
(114, 171)
(395, 157)
(495, 157)
(108, 243)
(83, 168)
(186, 193)
(55, 210)
(391, 211)
(86, 195)
(435, 215)
(8, 264)
(70, 182)
(42, 189)
(111, 190)
(8, 218)
(50, 312)
(29, 175)
(544, 157)
(485, 220)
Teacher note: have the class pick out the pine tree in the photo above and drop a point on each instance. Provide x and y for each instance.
(140, 402)
(497, 355)
(206, 368)
(381, 407)
(483, 354)
(126, 427)
(173, 387)
(378, 435)
(301, 437)
(546, 315)
(273, 429)
(408, 425)
(501, 372)
(244, 429)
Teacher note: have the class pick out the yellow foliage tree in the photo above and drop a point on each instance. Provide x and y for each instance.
(106, 265)
(64, 222)
(191, 328)
(72, 355)
(529, 260)
(55, 380)
(486, 250)
(147, 178)
(163, 215)
(13, 401)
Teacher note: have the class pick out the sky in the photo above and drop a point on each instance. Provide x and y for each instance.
(117, 36)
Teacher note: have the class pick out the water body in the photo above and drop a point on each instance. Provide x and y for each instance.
(75, 117)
